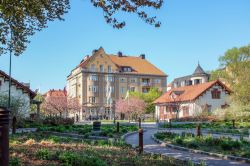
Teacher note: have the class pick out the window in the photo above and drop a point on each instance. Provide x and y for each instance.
(122, 79)
(92, 68)
(92, 100)
(93, 88)
(197, 81)
(110, 78)
(101, 68)
(109, 69)
(93, 77)
(132, 89)
(157, 81)
(126, 69)
(185, 110)
(133, 80)
(215, 94)
(122, 90)
(145, 90)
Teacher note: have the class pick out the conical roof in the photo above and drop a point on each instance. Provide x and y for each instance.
(199, 70)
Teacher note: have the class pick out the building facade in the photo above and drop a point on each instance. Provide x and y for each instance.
(100, 79)
(20, 91)
(199, 76)
(189, 101)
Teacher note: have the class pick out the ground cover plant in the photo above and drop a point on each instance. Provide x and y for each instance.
(221, 126)
(106, 130)
(223, 145)
(41, 149)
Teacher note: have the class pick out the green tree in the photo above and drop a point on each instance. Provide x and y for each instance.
(235, 69)
(20, 19)
(149, 97)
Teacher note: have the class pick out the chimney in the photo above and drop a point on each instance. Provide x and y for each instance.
(86, 57)
(119, 54)
(142, 56)
(26, 84)
(94, 51)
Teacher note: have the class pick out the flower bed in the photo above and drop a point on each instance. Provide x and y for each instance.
(106, 130)
(39, 149)
(223, 127)
(221, 145)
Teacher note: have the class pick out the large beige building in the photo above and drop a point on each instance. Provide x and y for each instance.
(88, 81)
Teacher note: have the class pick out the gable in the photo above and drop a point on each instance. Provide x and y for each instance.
(98, 59)
(190, 92)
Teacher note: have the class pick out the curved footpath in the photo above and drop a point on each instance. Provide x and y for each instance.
(151, 146)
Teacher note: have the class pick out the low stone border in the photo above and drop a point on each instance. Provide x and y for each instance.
(235, 158)
(208, 132)
(123, 137)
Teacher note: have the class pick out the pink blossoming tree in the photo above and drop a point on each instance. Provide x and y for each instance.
(131, 107)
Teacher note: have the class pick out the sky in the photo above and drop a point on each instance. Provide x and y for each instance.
(191, 31)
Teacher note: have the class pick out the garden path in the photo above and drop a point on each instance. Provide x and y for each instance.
(151, 146)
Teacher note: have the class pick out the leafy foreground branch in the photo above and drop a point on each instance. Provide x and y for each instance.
(39, 149)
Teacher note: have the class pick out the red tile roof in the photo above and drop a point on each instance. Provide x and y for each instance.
(139, 65)
(188, 93)
(56, 93)
(18, 84)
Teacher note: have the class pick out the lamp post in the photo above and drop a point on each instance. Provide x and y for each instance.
(9, 101)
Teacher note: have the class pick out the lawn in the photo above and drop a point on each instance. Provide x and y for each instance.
(40, 149)
(223, 145)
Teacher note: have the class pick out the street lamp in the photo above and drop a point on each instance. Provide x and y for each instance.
(9, 101)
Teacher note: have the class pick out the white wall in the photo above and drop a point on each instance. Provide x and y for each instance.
(17, 93)
(195, 107)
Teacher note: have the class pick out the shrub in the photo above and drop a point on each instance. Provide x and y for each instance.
(14, 161)
(192, 144)
(73, 159)
(225, 146)
(58, 121)
(178, 140)
(43, 154)
(86, 135)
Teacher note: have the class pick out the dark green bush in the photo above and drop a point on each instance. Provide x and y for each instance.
(44, 154)
(14, 161)
(73, 159)
(225, 146)
(178, 140)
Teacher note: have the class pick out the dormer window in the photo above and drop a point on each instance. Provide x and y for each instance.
(126, 69)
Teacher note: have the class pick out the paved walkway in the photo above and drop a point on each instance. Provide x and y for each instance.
(24, 130)
(151, 146)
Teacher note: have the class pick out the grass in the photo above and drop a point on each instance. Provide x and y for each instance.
(222, 145)
(40, 149)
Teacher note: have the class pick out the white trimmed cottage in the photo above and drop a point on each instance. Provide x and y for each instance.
(18, 90)
(192, 100)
